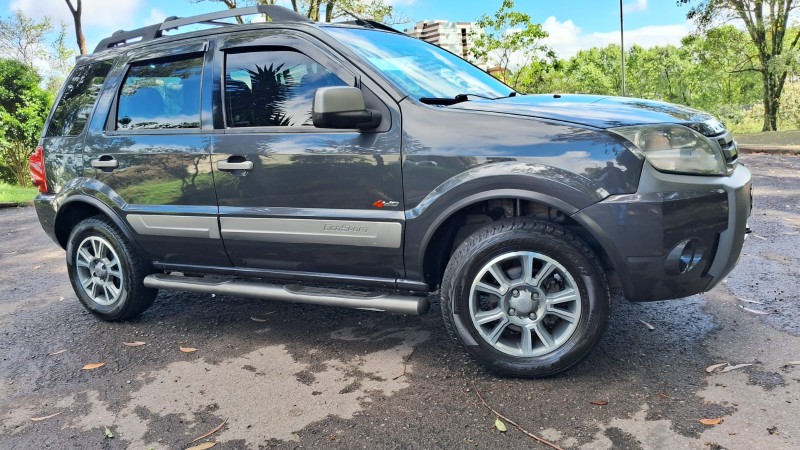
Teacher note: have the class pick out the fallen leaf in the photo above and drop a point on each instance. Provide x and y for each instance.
(757, 236)
(599, 402)
(755, 311)
(39, 419)
(256, 319)
(203, 446)
(217, 428)
(793, 363)
(501, 427)
(711, 422)
(36, 267)
(714, 367)
(134, 344)
(751, 301)
(93, 366)
(109, 434)
(188, 349)
(649, 327)
(57, 353)
(738, 366)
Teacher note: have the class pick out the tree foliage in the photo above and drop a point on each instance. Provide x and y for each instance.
(768, 28)
(510, 40)
(23, 38)
(23, 109)
(710, 71)
(26, 40)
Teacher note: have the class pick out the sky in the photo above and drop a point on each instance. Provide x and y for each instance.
(572, 24)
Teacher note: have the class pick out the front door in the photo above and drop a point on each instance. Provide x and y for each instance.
(295, 199)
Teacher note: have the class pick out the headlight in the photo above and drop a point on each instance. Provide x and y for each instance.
(676, 149)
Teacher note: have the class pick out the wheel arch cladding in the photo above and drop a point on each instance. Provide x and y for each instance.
(80, 207)
(443, 235)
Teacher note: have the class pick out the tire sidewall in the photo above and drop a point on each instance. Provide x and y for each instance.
(98, 228)
(476, 253)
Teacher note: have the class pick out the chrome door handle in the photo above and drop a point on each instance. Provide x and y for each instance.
(105, 162)
(244, 165)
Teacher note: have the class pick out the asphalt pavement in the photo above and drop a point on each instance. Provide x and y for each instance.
(297, 376)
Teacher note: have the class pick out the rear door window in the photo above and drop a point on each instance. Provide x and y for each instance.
(76, 103)
(161, 94)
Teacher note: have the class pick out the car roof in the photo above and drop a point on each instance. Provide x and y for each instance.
(278, 17)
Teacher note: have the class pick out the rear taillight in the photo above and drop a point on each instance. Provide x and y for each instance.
(37, 169)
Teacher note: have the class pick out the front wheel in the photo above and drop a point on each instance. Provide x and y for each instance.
(106, 272)
(525, 298)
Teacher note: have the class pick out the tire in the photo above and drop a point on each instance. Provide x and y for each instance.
(566, 295)
(106, 272)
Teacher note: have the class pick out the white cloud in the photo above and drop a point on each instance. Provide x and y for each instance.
(634, 6)
(156, 16)
(113, 14)
(566, 38)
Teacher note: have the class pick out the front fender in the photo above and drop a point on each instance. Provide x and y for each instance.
(547, 185)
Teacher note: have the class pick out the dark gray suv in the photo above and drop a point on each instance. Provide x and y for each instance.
(351, 165)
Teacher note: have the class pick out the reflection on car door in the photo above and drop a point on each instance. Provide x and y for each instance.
(297, 198)
(151, 155)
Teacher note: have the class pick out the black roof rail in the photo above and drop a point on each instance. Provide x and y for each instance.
(274, 12)
(372, 24)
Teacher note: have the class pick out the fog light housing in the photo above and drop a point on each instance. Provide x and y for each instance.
(684, 257)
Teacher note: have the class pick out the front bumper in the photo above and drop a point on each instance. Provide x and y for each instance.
(677, 236)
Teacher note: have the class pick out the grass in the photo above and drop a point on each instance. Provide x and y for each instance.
(16, 194)
(777, 138)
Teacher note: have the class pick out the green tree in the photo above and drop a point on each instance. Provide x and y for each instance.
(510, 41)
(722, 76)
(61, 60)
(767, 23)
(23, 38)
(23, 109)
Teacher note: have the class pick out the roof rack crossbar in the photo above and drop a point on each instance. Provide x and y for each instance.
(274, 12)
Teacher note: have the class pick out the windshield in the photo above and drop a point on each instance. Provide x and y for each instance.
(420, 69)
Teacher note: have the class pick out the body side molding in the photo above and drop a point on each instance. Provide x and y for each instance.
(179, 226)
(313, 231)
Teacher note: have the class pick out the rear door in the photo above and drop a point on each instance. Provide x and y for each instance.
(150, 153)
(295, 199)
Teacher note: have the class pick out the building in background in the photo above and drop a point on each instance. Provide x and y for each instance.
(456, 37)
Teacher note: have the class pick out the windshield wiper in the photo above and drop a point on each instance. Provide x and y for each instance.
(445, 101)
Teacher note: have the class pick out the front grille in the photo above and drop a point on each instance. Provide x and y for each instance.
(729, 148)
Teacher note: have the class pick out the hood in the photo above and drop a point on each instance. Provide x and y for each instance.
(596, 111)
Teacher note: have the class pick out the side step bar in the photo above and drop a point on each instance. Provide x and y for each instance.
(373, 301)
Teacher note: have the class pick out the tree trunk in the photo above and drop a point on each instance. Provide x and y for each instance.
(329, 10)
(773, 87)
(76, 17)
(313, 10)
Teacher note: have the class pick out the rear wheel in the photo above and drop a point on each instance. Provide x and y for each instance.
(525, 298)
(106, 272)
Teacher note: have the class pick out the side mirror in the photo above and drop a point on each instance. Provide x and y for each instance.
(342, 107)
